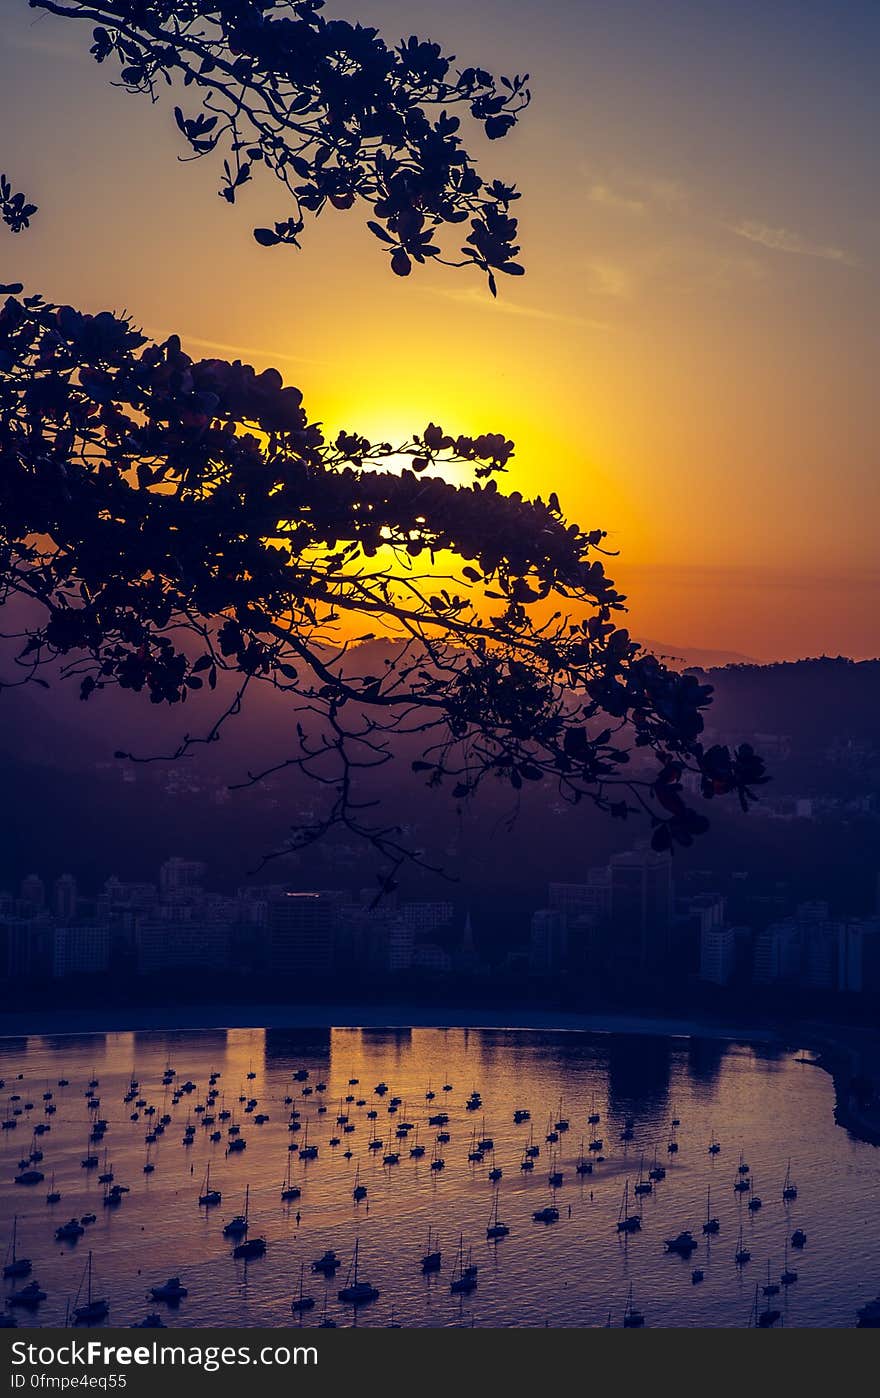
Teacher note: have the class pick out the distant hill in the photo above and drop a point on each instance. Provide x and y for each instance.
(812, 701)
(688, 657)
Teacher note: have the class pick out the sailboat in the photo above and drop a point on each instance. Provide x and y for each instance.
(307, 1152)
(714, 1147)
(742, 1254)
(789, 1188)
(432, 1258)
(787, 1276)
(583, 1166)
(627, 1222)
(302, 1302)
(248, 1247)
(711, 1225)
(54, 1195)
(416, 1151)
(656, 1172)
(632, 1318)
(289, 1191)
(28, 1296)
(89, 1161)
(94, 1307)
(495, 1228)
(16, 1266)
(360, 1190)
(771, 1288)
(209, 1197)
(464, 1278)
(742, 1184)
(357, 1292)
(643, 1186)
(326, 1322)
(754, 1199)
(594, 1118)
(763, 1320)
(238, 1226)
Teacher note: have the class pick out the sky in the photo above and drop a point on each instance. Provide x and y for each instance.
(690, 360)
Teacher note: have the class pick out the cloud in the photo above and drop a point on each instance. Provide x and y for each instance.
(784, 240)
(601, 193)
(610, 279)
(255, 351)
(633, 194)
(473, 296)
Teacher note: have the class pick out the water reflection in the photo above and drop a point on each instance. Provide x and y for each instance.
(572, 1272)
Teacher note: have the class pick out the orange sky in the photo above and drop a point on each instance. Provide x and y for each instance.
(690, 359)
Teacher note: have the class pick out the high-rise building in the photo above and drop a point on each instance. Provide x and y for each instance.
(33, 892)
(80, 950)
(717, 953)
(301, 934)
(591, 899)
(548, 944)
(181, 875)
(64, 897)
(425, 918)
(183, 946)
(641, 909)
(778, 953)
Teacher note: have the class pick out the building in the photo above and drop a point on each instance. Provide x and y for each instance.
(641, 909)
(80, 950)
(301, 927)
(575, 900)
(548, 942)
(718, 944)
(400, 948)
(33, 892)
(431, 960)
(64, 898)
(778, 954)
(181, 876)
(426, 918)
(26, 948)
(858, 967)
(191, 945)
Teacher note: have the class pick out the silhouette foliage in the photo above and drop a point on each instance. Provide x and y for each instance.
(329, 109)
(167, 520)
(15, 209)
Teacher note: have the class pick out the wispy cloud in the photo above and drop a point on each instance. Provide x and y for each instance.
(256, 351)
(481, 300)
(610, 279)
(634, 194)
(784, 240)
(601, 193)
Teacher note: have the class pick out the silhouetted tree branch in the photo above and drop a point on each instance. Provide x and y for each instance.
(168, 520)
(15, 210)
(333, 112)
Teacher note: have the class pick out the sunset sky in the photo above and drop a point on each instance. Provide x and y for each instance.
(691, 358)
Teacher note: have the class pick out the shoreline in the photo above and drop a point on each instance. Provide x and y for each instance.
(183, 1019)
(850, 1057)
